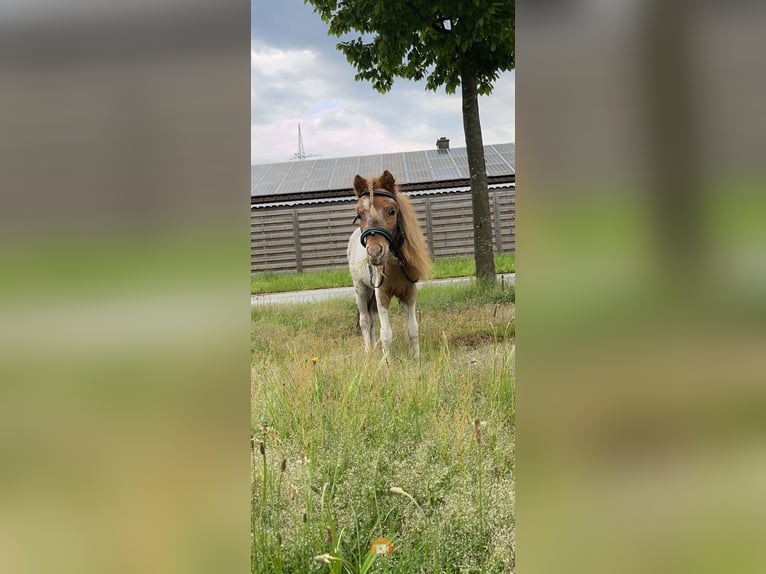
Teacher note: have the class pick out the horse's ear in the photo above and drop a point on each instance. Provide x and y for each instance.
(388, 182)
(360, 185)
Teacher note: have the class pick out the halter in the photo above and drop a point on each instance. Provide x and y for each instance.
(393, 244)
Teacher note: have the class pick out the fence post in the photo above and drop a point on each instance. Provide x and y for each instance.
(252, 247)
(498, 234)
(297, 239)
(429, 226)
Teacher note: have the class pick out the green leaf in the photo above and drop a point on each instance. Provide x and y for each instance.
(368, 562)
(408, 44)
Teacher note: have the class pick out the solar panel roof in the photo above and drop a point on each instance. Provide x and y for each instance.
(408, 167)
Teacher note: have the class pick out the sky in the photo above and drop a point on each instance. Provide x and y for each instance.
(299, 76)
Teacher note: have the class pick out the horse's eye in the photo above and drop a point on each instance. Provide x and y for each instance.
(391, 211)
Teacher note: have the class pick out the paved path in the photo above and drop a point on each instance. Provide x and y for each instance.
(335, 292)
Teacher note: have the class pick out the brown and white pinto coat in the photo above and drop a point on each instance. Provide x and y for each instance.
(387, 255)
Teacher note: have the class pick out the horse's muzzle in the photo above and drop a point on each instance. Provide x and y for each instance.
(376, 254)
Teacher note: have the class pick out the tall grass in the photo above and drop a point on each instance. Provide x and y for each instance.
(354, 449)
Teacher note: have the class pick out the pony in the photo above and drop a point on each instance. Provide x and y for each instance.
(387, 255)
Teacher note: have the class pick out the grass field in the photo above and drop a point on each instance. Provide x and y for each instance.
(347, 449)
(454, 267)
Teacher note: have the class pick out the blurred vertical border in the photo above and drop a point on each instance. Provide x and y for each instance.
(124, 313)
(641, 287)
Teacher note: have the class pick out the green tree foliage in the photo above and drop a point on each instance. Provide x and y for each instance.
(447, 43)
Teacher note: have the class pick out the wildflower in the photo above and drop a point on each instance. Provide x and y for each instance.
(397, 490)
(381, 546)
(477, 430)
(323, 558)
(314, 359)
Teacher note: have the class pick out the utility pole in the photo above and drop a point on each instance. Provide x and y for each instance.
(301, 155)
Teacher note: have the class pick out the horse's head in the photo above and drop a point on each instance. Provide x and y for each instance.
(378, 211)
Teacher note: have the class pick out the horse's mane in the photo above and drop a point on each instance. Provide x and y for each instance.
(414, 250)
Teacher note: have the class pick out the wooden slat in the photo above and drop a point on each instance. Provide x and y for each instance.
(324, 231)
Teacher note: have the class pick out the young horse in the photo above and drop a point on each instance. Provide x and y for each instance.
(387, 255)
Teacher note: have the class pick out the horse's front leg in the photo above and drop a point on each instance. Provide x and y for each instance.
(365, 321)
(412, 327)
(386, 333)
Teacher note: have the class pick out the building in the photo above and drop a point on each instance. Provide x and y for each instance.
(301, 212)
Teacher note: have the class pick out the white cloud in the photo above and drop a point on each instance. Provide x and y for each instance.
(498, 111)
(273, 61)
(341, 117)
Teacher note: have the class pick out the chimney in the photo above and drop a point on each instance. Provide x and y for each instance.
(442, 144)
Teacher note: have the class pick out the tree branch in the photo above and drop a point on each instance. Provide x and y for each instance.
(436, 25)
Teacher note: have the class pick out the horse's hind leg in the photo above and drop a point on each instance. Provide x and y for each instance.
(372, 308)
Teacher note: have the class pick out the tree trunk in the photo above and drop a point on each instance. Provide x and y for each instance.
(673, 142)
(482, 222)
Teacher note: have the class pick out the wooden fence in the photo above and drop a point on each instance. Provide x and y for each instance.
(310, 237)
